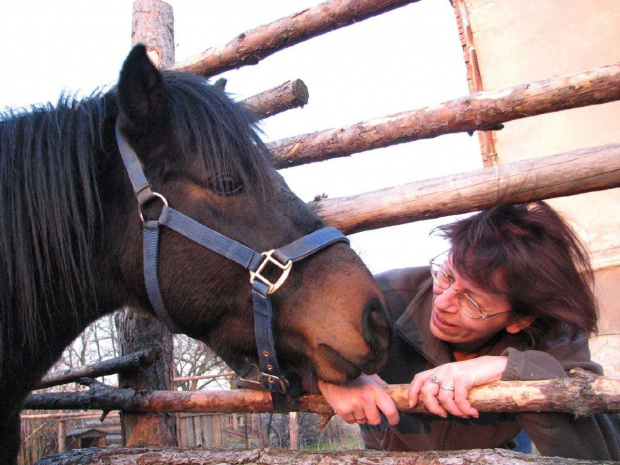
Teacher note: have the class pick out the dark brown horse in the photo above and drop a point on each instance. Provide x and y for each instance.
(72, 234)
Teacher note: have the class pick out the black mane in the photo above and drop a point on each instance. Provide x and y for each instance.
(50, 212)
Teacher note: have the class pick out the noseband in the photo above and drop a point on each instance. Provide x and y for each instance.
(269, 375)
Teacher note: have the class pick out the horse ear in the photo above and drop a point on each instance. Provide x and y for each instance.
(141, 92)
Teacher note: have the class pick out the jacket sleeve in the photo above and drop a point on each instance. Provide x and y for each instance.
(595, 437)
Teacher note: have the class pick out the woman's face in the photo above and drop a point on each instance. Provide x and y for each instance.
(450, 324)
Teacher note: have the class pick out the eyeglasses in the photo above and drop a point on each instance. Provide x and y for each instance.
(467, 305)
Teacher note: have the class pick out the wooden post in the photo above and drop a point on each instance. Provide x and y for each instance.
(293, 427)
(62, 427)
(153, 25)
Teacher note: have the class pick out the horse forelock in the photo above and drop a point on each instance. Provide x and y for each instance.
(49, 204)
(220, 133)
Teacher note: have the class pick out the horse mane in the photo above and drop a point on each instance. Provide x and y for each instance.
(50, 211)
(47, 199)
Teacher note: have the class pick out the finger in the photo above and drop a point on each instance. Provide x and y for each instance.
(384, 403)
(460, 398)
(359, 417)
(415, 387)
(446, 399)
(429, 396)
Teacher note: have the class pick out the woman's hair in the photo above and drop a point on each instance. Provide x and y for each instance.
(530, 254)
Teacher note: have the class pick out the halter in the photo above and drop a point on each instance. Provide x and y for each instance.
(268, 376)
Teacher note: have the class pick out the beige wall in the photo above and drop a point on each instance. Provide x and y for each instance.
(519, 41)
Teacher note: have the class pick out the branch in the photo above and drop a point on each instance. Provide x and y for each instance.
(581, 394)
(482, 110)
(249, 47)
(276, 456)
(559, 175)
(291, 94)
(112, 366)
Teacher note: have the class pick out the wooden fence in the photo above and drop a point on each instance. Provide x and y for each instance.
(584, 170)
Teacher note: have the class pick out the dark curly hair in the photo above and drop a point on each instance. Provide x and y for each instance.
(544, 268)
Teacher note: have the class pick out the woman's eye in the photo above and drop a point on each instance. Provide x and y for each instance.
(225, 184)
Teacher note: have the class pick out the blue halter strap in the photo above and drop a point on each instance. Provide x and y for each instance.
(269, 376)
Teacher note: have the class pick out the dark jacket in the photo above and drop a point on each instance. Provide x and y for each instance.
(409, 295)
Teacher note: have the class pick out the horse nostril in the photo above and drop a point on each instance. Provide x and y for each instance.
(377, 330)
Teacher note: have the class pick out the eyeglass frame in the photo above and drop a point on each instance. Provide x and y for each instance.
(461, 294)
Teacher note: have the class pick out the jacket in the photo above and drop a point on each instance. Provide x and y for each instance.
(409, 297)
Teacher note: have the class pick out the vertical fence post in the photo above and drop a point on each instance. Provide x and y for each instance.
(293, 427)
(153, 25)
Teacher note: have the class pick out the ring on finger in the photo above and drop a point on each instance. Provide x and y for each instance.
(448, 388)
(362, 418)
(434, 379)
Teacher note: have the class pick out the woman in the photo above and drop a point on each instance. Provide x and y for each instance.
(512, 300)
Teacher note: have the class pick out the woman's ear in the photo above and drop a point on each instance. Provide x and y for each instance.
(520, 324)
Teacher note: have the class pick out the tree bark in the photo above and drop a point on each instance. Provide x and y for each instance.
(141, 359)
(249, 47)
(276, 456)
(291, 94)
(153, 25)
(540, 178)
(481, 110)
(580, 395)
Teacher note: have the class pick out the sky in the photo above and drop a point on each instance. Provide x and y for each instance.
(402, 60)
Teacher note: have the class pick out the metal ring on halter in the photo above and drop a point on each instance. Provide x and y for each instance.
(434, 379)
(448, 388)
(153, 196)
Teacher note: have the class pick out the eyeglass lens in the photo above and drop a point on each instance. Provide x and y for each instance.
(467, 305)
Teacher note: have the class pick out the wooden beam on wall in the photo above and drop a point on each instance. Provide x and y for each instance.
(481, 110)
(249, 47)
(540, 178)
(291, 94)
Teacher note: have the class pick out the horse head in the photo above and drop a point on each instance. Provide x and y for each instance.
(200, 152)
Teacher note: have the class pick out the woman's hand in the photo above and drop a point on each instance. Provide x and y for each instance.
(444, 389)
(361, 400)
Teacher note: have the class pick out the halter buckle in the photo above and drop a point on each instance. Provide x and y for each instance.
(286, 269)
(151, 196)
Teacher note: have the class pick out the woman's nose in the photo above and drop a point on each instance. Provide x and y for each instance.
(446, 299)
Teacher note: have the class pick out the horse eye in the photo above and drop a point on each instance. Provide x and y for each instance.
(225, 184)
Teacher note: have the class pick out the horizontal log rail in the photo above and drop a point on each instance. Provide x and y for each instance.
(67, 416)
(291, 94)
(249, 47)
(580, 394)
(277, 456)
(482, 110)
(540, 178)
(131, 362)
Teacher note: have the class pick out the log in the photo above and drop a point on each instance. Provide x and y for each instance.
(152, 20)
(481, 110)
(143, 358)
(249, 47)
(540, 178)
(291, 94)
(581, 394)
(277, 456)
(139, 330)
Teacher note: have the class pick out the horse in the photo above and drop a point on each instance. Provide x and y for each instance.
(72, 235)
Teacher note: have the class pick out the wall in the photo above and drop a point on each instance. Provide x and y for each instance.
(519, 41)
